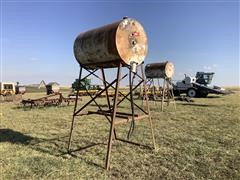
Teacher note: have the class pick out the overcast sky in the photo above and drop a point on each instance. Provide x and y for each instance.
(37, 36)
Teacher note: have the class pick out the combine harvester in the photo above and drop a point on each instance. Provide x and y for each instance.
(85, 88)
(198, 86)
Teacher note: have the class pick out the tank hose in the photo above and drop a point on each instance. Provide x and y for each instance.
(132, 126)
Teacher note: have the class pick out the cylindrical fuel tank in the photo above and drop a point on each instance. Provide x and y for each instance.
(159, 70)
(105, 47)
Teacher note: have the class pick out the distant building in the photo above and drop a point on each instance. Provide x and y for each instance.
(53, 87)
(41, 85)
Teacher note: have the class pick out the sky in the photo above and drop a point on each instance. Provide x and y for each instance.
(37, 36)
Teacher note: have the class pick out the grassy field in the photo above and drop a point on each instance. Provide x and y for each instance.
(199, 140)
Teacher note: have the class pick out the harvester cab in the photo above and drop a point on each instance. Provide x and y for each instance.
(204, 78)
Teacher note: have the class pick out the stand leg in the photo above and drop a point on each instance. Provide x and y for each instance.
(154, 93)
(75, 107)
(108, 99)
(159, 90)
(163, 93)
(143, 94)
(105, 85)
(132, 105)
(107, 165)
(172, 94)
(148, 110)
(174, 103)
(168, 93)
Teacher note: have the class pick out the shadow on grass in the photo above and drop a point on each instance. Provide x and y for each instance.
(213, 97)
(9, 135)
(100, 105)
(103, 105)
(52, 146)
(80, 149)
(28, 108)
(199, 105)
(56, 146)
(85, 147)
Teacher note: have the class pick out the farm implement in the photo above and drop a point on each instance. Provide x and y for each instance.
(50, 100)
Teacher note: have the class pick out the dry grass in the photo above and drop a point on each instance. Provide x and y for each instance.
(199, 140)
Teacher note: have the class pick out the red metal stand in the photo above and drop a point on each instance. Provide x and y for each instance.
(111, 113)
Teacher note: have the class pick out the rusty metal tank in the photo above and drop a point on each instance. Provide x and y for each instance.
(123, 41)
(159, 70)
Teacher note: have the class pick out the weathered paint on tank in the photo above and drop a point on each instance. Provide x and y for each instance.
(123, 41)
(159, 70)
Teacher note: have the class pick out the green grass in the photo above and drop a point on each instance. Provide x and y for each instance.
(199, 140)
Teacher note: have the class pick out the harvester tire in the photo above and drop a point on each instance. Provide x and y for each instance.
(191, 93)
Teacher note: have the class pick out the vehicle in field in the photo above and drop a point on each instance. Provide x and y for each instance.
(85, 87)
(53, 88)
(198, 86)
(7, 88)
(9, 92)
